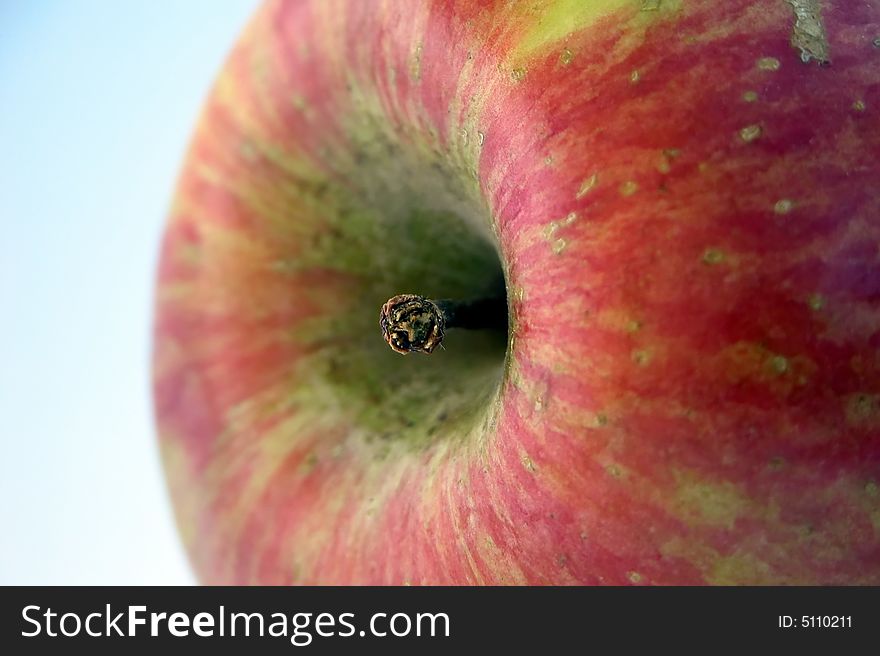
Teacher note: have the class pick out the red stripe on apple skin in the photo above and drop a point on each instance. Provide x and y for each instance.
(692, 395)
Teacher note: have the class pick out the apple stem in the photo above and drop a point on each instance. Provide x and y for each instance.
(416, 324)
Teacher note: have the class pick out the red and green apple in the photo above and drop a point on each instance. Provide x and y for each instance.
(682, 199)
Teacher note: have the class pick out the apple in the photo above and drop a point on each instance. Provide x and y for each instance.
(683, 202)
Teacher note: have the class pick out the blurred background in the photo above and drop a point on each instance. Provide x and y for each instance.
(97, 102)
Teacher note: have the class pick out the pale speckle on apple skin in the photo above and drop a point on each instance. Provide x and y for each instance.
(783, 206)
(641, 357)
(862, 409)
(663, 166)
(768, 64)
(713, 256)
(629, 187)
(779, 364)
(415, 66)
(527, 463)
(816, 302)
(634, 577)
(635, 76)
(750, 133)
(859, 105)
(586, 186)
(558, 244)
(518, 74)
(566, 57)
(750, 96)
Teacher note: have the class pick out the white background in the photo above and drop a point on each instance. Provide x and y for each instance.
(97, 101)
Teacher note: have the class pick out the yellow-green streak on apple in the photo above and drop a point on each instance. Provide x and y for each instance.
(688, 390)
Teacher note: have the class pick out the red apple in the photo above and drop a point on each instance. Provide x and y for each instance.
(683, 199)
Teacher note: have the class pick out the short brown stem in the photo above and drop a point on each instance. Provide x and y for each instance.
(416, 324)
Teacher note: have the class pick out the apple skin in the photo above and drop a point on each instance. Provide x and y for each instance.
(688, 220)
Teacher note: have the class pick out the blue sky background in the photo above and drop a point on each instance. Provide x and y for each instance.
(97, 101)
